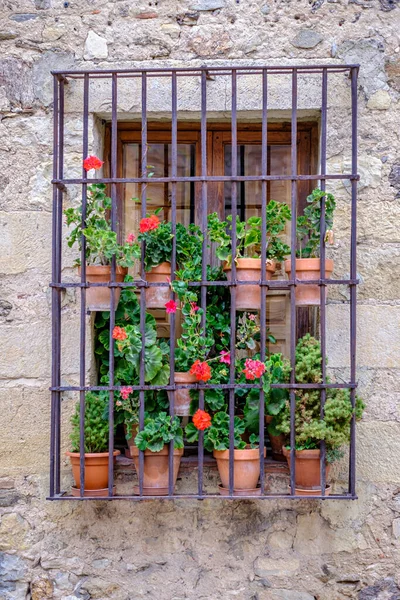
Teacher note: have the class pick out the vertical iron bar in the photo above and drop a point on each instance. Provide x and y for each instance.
(322, 288)
(54, 291)
(293, 283)
(203, 289)
(58, 279)
(174, 173)
(264, 225)
(233, 288)
(353, 275)
(143, 276)
(82, 365)
(113, 170)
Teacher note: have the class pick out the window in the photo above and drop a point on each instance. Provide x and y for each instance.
(185, 169)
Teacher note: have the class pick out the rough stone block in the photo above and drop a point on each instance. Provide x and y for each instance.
(205, 5)
(377, 444)
(25, 242)
(269, 567)
(95, 46)
(380, 100)
(307, 39)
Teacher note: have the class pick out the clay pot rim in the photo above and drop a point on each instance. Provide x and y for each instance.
(162, 268)
(92, 454)
(251, 264)
(103, 270)
(244, 454)
(309, 264)
(184, 377)
(299, 491)
(306, 454)
(163, 452)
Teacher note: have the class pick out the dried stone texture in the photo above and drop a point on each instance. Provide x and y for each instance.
(95, 46)
(267, 567)
(307, 39)
(284, 595)
(42, 82)
(215, 43)
(16, 83)
(13, 532)
(42, 4)
(369, 53)
(396, 528)
(380, 591)
(394, 177)
(380, 100)
(382, 440)
(393, 74)
(8, 35)
(207, 5)
(42, 589)
(21, 18)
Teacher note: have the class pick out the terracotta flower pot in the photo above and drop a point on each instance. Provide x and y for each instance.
(248, 297)
(157, 297)
(96, 469)
(155, 476)
(99, 298)
(133, 429)
(277, 441)
(182, 397)
(307, 469)
(246, 467)
(309, 268)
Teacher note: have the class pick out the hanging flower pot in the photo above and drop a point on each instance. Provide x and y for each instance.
(157, 297)
(246, 465)
(96, 472)
(99, 298)
(182, 395)
(308, 475)
(248, 297)
(308, 269)
(156, 470)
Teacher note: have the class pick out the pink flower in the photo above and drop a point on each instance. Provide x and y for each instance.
(130, 239)
(225, 357)
(253, 369)
(193, 307)
(125, 391)
(92, 162)
(170, 307)
(252, 317)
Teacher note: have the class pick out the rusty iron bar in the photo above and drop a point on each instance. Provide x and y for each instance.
(232, 348)
(203, 287)
(264, 287)
(322, 288)
(293, 315)
(174, 167)
(82, 358)
(219, 386)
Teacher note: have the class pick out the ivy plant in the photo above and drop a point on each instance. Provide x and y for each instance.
(308, 226)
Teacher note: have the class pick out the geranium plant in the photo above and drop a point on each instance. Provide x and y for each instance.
(248, 234)
(216, 431)
(158, 431)
(308, 226)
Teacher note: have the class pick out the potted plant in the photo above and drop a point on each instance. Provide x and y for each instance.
(308, 264)
(248, 249)
(157, 237)
(153, 440)
(310, 428)
(246, 457)
(101, 243)
(96, 428)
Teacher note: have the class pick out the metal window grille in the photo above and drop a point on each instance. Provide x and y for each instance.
(60, 185)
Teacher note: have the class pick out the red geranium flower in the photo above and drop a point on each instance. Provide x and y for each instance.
(201, 370)
(201, 420)
(170, 307)
(92, 162)
(193, 307)
(125, 391)
(119, 333)
(149, 223)
(225, 357)
(253, 369)
(130, 239)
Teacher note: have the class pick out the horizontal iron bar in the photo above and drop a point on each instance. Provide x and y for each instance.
(196, 386)
(209, 68)
(210, 178)
(277, 284)
(206, 497)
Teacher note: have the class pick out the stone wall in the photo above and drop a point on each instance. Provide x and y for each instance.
(211, 549)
